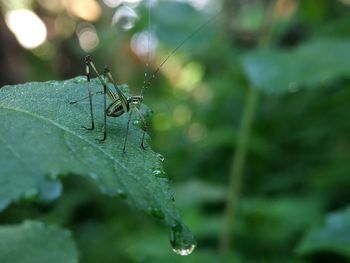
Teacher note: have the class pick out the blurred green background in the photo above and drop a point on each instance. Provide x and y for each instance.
(279, 153)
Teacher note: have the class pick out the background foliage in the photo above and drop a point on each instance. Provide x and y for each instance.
(293, 200)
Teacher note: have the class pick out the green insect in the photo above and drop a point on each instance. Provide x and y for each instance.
(119, 102)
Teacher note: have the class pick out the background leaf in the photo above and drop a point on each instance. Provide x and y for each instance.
(310, 64)
(332, 236)
(30, 242)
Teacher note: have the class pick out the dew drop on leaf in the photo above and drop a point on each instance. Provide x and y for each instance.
(50, 190)
(124, 88)
(155, 212)
(37, 225)
(182, 240)
(80, 79)
(122, 194)
(137, 123)
(4, 203)
(158, 172)
(93, 176)
(160, 157)
(53, 176)
(31, 194)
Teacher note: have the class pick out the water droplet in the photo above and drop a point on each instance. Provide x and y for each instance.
(4, 203)
(160, 157)
(293, 87)
(80, 79)
(52, 176)
(31, 194)
(67, 233)
(137, 123)
(93, 176)
(182, 240)
(146, 112)
(124, 88)
(125, 17)
(122, 194)
(33, 224)
(50, 190)
(155, 212)
(37, 225)
(159, 172)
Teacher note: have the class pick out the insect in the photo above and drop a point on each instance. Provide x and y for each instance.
(119, 102)
(119, 105)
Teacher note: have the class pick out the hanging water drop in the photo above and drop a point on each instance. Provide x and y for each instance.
(293, 87)
(125, 17)
(160, 157)
(93, 176)
(53, 176)
(34, 224)
(158, 172)
(31, 194)
(182, 240)
(121, 194)
(155, 212)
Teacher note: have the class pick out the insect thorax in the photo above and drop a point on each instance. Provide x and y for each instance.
(135, 100)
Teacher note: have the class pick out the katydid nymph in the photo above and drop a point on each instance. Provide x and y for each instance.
(119, 105)
(119, 102)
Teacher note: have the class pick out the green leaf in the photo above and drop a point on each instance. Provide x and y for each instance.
(35, 242)
(41, 138)
(332, 236)
(311, 64)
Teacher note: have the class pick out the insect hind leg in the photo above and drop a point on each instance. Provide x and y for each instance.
(87, 71)
(104, 106)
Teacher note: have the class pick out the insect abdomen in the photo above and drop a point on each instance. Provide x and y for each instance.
(115, 109)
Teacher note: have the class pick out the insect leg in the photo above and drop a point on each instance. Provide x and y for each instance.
(87, 68)
(127, 132)
(76, 101)
(104, 128)
(144, 127)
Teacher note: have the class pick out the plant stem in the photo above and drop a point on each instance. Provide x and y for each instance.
(237, 166)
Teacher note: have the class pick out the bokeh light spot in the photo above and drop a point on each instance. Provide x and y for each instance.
(88, 38)
(115, 3)
(196, 132)
(144, 44)
(28, 28)
(125, 17)
(54, 6)
(190, 75)
(202, 93)
(182, 114)
(162, 122)
(64, 25)
(88, 10)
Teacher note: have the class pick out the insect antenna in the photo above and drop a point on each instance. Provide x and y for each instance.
(149, 2)
(147, 84)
